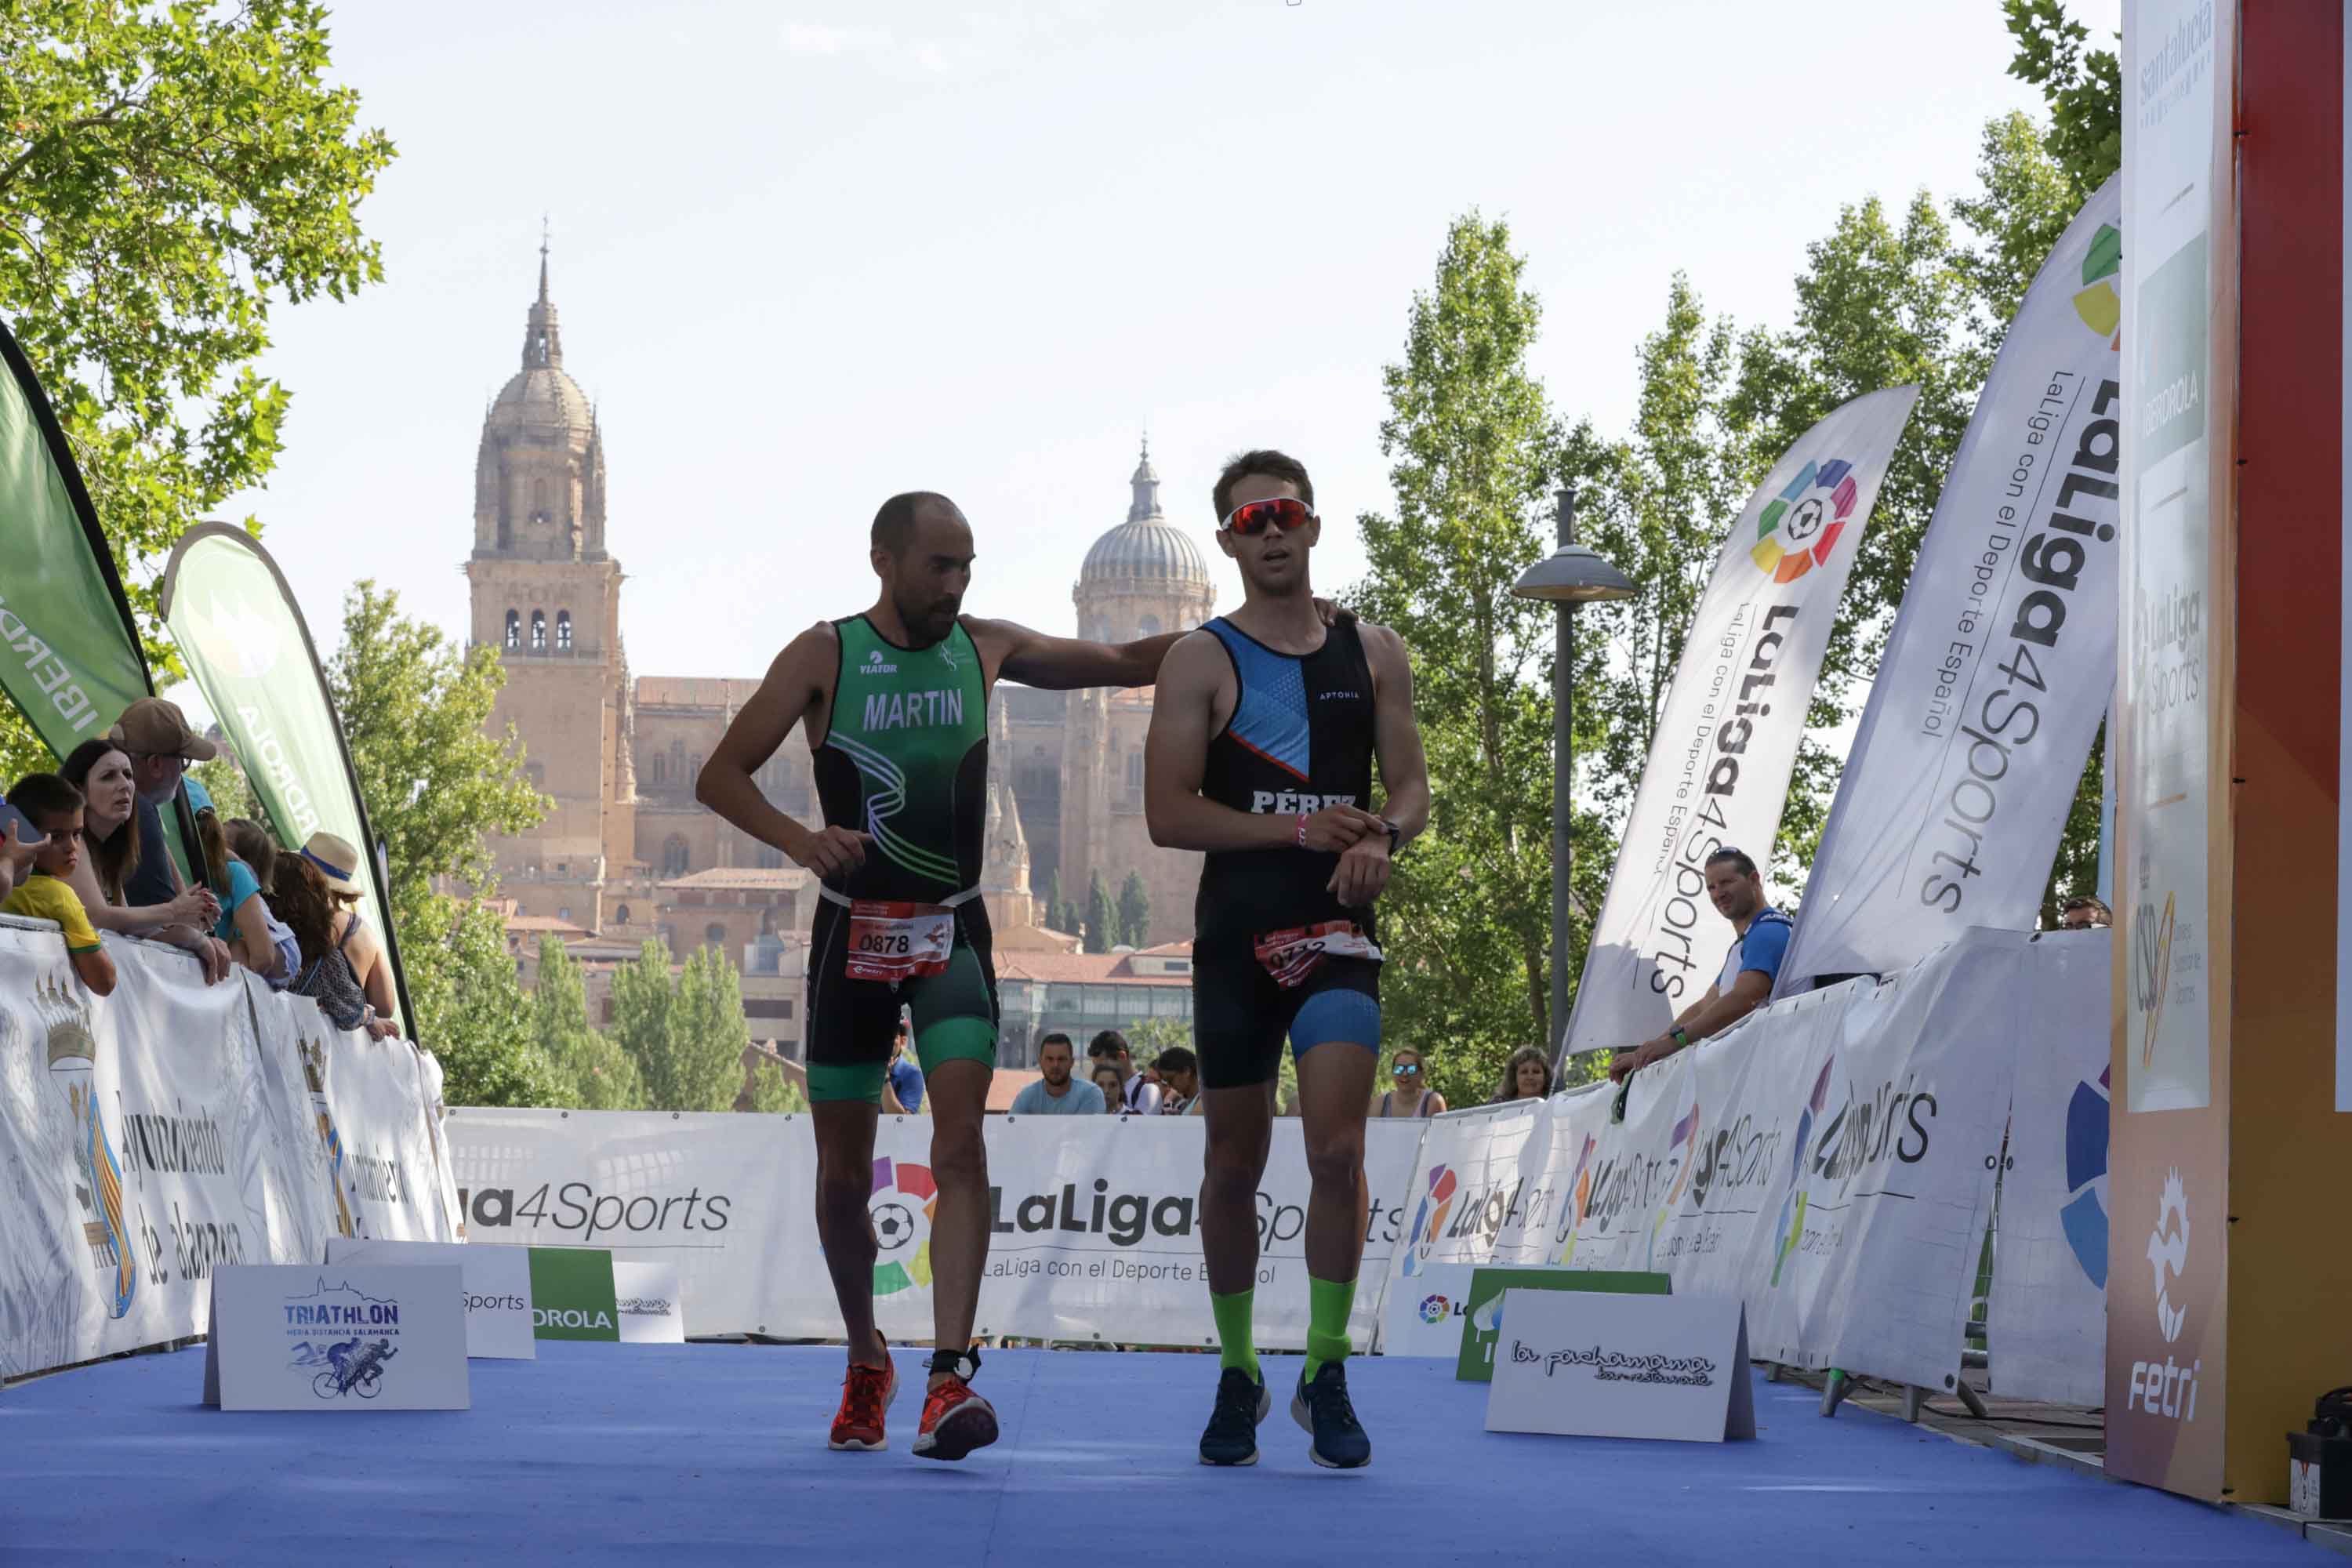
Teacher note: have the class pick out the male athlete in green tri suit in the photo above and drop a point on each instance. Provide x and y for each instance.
(896, 702)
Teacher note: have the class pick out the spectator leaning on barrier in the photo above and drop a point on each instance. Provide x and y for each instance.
(245, 922)
(2084, 914)
(54, 806)
(1107, 1084)
(1055, 1093)
(1137, 1093)
(155, 734)
(1761, 940)
(1179, 1075)
(113, 844)
(1528, 1076)
(337, 863)
(298, 896)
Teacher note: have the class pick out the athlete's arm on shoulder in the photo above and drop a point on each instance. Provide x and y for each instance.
(798, 683)
(1396, 734)
(1064, 664)
(1176, 760)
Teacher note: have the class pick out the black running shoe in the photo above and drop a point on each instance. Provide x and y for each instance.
(1231, 1437)
(1323, 1409)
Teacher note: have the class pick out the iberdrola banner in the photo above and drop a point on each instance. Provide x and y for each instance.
(2003, 658)
(70, 654)
(1718, 769)
(245, 644)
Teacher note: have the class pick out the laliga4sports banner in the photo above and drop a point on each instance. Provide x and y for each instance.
(2003, 658)
(245, 644)
(1718, 769)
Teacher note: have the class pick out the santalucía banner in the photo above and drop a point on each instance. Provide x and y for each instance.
(246, 644)
(1718, 769)
(2003, 658)
(150, 1137)
(70, 653)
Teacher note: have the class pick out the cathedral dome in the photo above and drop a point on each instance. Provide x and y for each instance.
(540, 398)
(1147, 546)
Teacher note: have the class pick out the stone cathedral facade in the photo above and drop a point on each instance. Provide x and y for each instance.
(626, 852)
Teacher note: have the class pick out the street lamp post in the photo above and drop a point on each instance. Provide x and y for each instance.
(1569, 576)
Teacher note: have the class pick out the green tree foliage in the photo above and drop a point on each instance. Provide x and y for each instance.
(2083, 88)
(225, 783)
(413, 711)
(1147, 1037)
(685, 1033)
(593, 1072)
(472, 1013)
(1133, 918)
(1474, 451)
(775, 1094)
(1102, 918)
(168, 175)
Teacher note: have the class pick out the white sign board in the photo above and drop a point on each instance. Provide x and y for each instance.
(1423, 1316)
(496, 1288)
(1590, 1366)
(353, 1336)
(651, 1313)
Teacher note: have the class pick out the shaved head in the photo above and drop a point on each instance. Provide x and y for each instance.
(894, 525)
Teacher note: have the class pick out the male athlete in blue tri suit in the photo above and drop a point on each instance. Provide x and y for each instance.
(1264, 728)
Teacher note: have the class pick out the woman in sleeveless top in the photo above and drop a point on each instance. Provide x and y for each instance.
(324, 932)
(1411, 1095)
(337, 864)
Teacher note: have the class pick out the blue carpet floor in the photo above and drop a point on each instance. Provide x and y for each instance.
(657, 1455)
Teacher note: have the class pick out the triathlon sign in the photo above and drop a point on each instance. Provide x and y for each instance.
(347, 1336)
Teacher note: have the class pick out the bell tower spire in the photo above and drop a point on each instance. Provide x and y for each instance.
(542, 345)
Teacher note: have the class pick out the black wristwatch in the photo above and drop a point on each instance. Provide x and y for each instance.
(1395, 834)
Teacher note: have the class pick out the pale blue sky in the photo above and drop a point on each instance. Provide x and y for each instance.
(808, 254)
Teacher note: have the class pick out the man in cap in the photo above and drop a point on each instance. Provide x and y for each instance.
(155, 734)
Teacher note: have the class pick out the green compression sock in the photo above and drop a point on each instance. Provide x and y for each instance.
(1329, 1304)
(1232, 1313)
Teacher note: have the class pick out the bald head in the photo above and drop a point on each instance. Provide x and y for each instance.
(922, 551)
(895, 524)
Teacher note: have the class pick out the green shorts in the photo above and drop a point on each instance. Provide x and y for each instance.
(850, 1023)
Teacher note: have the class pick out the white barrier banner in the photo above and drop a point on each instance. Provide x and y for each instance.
(1718, 769)
(1828, 1161)
(2047, 1319)
(2003, 659)
(1093, 1221)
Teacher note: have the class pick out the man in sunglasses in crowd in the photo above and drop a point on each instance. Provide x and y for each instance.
(1264, 732)
(1760, 941)
(894, 702)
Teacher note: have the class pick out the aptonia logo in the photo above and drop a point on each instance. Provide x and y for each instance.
(2168, 1253)
(72, 1052)
(1433, 1309)
(1429, 1220)
(2098, 304)
(1800, 527)
(2084, 1217)
(896, 1187)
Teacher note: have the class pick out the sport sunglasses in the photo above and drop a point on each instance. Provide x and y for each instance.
(1252, 518)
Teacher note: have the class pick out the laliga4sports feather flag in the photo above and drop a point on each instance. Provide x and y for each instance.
(244, 642)
(1728, 737)
(2003, 658)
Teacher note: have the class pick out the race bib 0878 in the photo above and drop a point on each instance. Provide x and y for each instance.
(896, 941)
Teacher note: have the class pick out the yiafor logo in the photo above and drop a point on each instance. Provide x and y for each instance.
(876, 665)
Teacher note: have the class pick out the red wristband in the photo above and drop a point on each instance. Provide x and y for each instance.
(1302, 830)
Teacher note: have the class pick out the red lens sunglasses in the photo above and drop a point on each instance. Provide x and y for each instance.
(1252, 518)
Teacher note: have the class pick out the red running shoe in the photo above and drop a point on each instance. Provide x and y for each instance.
(866, 1395)
(955, 1420)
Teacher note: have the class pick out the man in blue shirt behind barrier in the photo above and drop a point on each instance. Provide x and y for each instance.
(1760, 942)
(1055, 1093)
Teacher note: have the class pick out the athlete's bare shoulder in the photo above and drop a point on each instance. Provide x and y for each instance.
(1384, 651)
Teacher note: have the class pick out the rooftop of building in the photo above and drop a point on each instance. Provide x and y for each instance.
(741, 879)
(1082, 969)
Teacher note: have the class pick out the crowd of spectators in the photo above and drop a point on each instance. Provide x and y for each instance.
(85, 847)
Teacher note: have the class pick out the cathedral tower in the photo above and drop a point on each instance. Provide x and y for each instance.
(547, 594)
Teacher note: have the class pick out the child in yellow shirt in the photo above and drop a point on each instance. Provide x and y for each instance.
(54, 806)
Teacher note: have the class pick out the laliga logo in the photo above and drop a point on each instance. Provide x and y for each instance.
(894, 1224)
(1799, 528)
(1433, 1309)
(2099, 306)
(2169, 1254)
(1429, 1220)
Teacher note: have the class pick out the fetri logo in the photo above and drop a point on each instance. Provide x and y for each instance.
(2101, 308)
(1429, 1220)
(877, 665)
(1800, 527)
(2168, 1253)
(1433, 1309)
(2084, 1217)
(896, 1187)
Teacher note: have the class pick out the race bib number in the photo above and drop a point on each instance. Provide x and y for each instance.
(896, 941)
(1290, 956)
